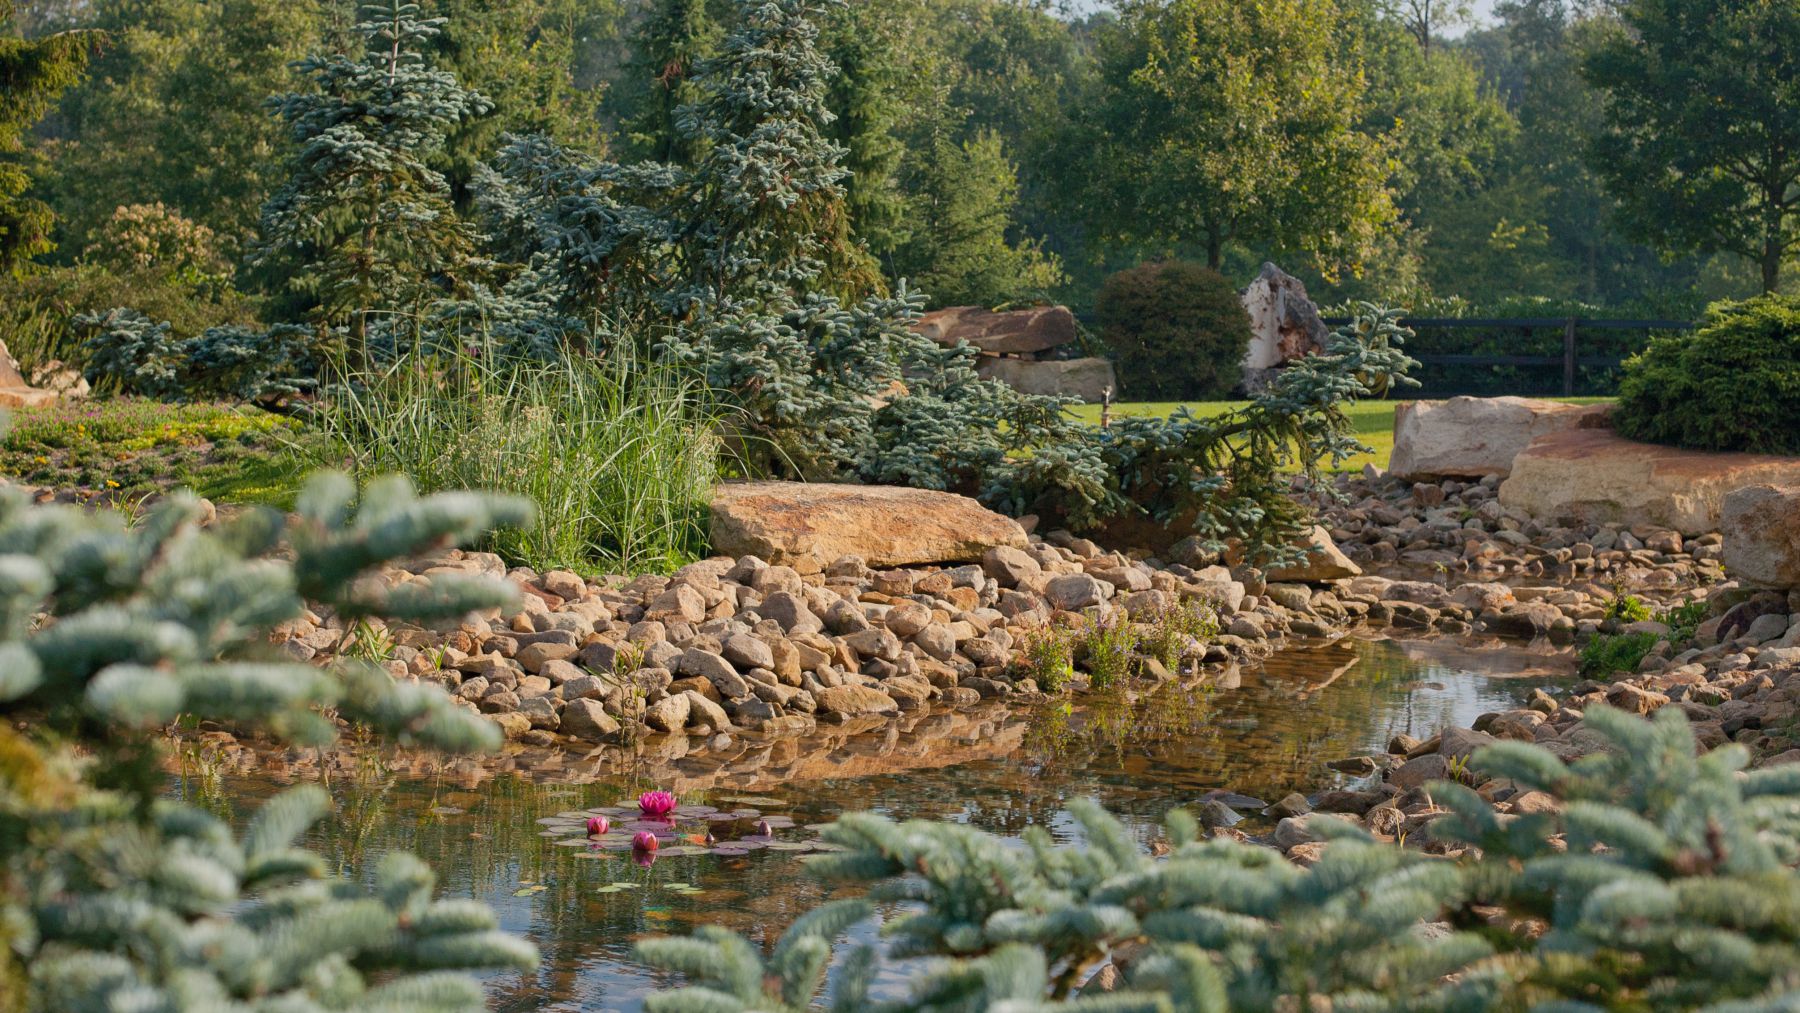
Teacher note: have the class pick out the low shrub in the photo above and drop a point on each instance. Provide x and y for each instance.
(1734, 384)
(38, 311)
(1177, 330)
(1047, 658)
(128, 352)
(619, 459)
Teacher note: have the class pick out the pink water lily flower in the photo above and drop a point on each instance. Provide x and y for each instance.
(656, 804)
(643, 840)
(597, 826)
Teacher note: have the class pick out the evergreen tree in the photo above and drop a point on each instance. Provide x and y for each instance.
(963, 196)
(671, 42)
(32, 74)
(115, 897)
(362, 210)
(525, 59)
(767, 206)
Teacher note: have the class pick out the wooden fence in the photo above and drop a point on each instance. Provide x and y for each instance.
(1571, 359)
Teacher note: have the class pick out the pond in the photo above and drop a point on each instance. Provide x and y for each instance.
(481, 829)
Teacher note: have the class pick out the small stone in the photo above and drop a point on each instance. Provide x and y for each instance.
(853, 701)
(669, 714)
(587, 719)
(681, 603)
(1072, 591)
(745, 651)
(909, 617)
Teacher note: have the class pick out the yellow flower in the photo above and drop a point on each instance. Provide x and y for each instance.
(110, 484)
(41, 460)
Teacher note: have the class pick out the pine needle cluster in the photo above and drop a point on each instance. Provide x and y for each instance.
(114, 897)
(1657, 879)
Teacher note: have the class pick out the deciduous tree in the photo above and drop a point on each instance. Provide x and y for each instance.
(1701, 139)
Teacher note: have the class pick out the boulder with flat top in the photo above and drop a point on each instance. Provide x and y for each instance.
(1595, 476)
(809, 525)
(1000, 332)
(1472, 437)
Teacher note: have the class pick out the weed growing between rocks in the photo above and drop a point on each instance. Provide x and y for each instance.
(1108, 649)
(1047, 658)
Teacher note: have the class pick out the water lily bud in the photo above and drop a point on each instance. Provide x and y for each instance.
(597, 825)
(643, 840)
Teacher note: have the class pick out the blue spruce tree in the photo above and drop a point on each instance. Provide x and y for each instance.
(368, 220)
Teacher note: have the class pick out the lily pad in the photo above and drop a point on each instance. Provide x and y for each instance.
(526, 891)
(790, 846)
(680, 851)
(730, 852)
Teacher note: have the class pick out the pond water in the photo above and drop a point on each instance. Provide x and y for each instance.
(584, 907)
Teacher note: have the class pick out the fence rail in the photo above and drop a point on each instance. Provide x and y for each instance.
(1571, 360)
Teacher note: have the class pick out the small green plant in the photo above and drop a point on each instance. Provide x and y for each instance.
(1047, 658)
(1606, 655)
(619, 459)
(1173, 628)
(1108, 646)
(1626, 608)
(368, 641)
(1684, 621)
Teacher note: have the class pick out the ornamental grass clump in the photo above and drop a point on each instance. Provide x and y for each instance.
(1653, 879)
(620, 457)
(112, 895)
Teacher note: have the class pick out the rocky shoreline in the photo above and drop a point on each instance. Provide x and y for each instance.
(737, 657)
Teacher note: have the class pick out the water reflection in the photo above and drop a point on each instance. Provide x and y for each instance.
(1271, 734)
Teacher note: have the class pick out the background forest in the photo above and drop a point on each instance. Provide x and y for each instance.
(999, 150)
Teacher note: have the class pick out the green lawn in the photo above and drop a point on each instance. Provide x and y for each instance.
(1374, 420)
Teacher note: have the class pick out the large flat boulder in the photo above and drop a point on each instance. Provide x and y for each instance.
(1090, 379)
(1470, 437)
(1596, 476)
(1761, 526)
(808, 525)
(1004, 332)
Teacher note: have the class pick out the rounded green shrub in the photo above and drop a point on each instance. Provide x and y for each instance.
(1734, 384)
(1176, 330)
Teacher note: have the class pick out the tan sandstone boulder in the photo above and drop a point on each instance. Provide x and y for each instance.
(1011, 332)
(1090, 379)
(1469, 437)
(1761, 525)
(1323, 561)
(807, 525)
(1596, 476)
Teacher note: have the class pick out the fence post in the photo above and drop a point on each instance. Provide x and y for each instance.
(1569, 357)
